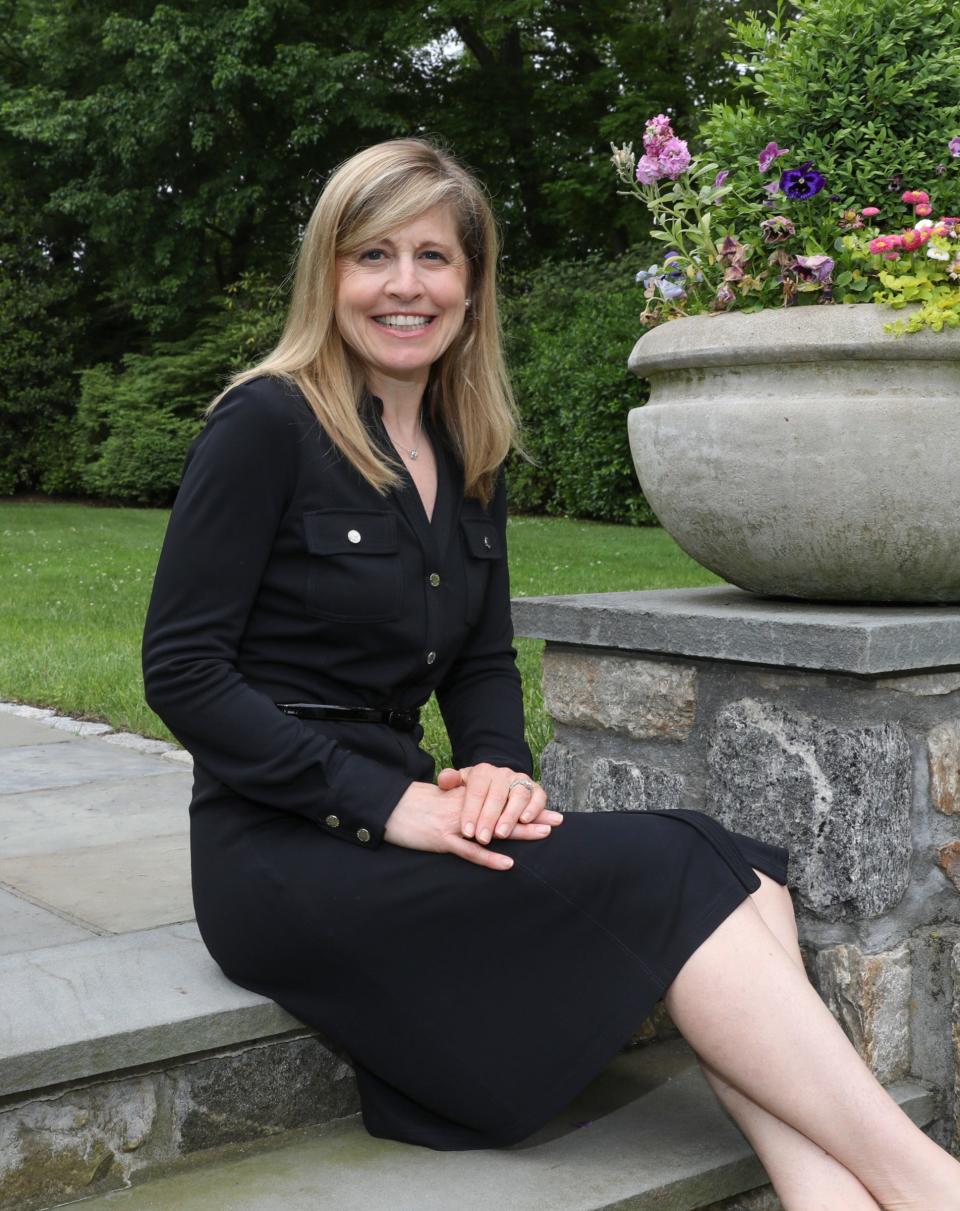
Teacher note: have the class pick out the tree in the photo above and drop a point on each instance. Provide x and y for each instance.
(153, 154)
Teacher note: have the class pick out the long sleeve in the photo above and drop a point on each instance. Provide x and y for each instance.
(481, 698)
(240, 478)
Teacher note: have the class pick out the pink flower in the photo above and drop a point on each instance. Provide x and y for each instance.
(923, 209)
(954, 146)
(770, 153)
(648, 170)
(911, 240)
(884, 243)
(674, 158)
(868, 212)
(657, 133)
(914, 196)
(891, 256)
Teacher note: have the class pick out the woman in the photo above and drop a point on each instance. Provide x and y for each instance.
(337, 553)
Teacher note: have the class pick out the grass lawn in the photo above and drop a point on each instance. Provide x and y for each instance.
(76, 579)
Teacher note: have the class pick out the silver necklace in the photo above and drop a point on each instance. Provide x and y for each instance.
(414, 453)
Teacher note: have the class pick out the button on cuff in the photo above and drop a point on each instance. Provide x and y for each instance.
(363, 834)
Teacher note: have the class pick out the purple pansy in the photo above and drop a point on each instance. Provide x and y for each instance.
(770, 153)
(815, 268)
(803, 182)
(777, 229)
(719, 179)
(954, 146)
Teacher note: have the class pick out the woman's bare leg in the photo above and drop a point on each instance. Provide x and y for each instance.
(804, 1176)
(756, 1021)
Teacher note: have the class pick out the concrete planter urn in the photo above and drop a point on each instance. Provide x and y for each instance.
(806, 452)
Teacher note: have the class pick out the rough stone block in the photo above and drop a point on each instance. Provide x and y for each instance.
(644, 699)
(628, 786)
(558, 771)
(837, 797)
(956, 1049)
(943, 752)
(261, 1090)
(659, 1025)
(923, 685)
(869, 994)
(948, 859)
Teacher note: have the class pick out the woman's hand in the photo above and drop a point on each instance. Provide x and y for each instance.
(428, 817)
(498, 802)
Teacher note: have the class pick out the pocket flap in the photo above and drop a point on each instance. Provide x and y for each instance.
(483, 541)
(350, 532)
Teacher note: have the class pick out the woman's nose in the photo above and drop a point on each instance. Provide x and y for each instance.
(404, 281)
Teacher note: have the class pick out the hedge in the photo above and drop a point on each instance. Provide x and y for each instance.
(569, 330)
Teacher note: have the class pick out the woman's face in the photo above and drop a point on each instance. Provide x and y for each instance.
(401, 299)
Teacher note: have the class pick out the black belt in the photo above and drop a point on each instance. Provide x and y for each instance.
(403, 721)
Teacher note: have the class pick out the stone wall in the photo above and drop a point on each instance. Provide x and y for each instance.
(92, 1136)
(859, 776)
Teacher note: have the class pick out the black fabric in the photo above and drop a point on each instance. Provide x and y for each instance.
(474, 1003)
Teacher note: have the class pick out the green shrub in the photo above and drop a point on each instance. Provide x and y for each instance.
(866, 89)
(569, 330)
(39, 334)
(134, 422)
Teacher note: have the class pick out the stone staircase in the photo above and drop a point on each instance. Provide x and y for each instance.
(134, 1074)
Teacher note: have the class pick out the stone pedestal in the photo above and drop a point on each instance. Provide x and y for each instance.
(832, 730)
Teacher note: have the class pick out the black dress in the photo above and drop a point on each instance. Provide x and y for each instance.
(474, 1003)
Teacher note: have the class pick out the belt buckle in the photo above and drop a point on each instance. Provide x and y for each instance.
(401, 721)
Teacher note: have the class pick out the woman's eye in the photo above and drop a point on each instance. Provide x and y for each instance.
(371, 254)
(434, 255)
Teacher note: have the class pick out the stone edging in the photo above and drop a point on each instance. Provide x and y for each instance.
(83, 727)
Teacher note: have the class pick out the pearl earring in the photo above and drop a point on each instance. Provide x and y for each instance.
(466, 302)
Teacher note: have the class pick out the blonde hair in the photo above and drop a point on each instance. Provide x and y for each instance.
(375, 191)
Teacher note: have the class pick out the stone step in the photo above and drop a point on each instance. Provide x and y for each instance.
(647, 1134)
(123, 1053)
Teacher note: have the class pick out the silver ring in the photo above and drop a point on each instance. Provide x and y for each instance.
(520, 782)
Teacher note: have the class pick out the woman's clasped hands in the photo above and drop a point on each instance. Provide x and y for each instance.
(467, 809)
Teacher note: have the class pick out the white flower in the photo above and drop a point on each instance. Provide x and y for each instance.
(938, 252)
(923, 225)
(623, 159)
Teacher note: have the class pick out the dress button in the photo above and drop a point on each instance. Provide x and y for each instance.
(353, 535)
(332, 821)
(363, 834)
(431, 657)
(434, 579)
(486, 542)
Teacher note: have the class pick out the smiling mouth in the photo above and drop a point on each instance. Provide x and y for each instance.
(408, 322)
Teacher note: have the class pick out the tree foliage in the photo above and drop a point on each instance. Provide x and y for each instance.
(153, 154)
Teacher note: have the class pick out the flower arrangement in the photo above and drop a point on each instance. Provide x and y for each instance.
(793, 241)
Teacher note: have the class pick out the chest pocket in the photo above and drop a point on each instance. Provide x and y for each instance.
(483, 549)
(354, 571)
